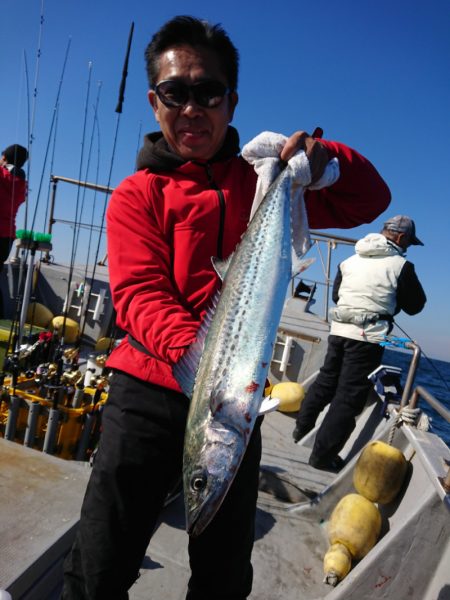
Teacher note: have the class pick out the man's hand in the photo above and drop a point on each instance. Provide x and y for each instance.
(315, 151)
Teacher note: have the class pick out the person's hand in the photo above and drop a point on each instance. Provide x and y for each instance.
(315, 151)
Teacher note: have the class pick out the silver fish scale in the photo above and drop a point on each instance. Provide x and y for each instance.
(238, 348)
(250, 305)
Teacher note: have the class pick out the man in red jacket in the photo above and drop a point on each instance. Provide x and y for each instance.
(190, 200)
(13, 189)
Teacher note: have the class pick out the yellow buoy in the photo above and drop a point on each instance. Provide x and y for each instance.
(39, 315)
(103, 344)
(71, 330)
(379, 472)
(356, 523)
(290, 395)
(337, 562)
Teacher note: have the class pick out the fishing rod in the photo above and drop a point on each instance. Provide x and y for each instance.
(77, 211)
(95, 129)
(118, 110)
(30, 136)
(31, 245)
(28, 247)
(51, 170)
(430, 362)
(91, 226)
(52, 126)
(31, 318)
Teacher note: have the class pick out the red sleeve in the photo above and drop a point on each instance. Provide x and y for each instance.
(147, 304)
(12, 193)
(359, 196)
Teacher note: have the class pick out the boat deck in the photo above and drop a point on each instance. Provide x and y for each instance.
(276, 557)
(40, 504)
(41, 499)
(291, 537)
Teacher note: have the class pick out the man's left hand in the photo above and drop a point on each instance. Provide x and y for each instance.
(315, 151)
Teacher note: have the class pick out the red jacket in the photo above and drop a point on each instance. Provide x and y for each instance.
(13, 189)
(163, 228)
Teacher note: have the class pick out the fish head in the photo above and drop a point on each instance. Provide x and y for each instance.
(208, 476)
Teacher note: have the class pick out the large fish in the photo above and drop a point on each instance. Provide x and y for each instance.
(224, 372)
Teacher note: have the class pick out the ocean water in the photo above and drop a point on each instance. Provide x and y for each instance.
(434, 376)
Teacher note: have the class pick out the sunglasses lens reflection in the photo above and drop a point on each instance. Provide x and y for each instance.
(207, 94)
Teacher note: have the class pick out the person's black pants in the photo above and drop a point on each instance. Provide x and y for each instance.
(139, 457)
(342, 382)
(5, 248)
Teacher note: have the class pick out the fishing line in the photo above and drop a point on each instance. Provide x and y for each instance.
(34, 103)
(430, 362)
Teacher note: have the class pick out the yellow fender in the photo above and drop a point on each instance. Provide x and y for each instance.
(71, 332)
(356, 523)
(337, 562)
(290, 394)
(380, 472)
(39, 315)
(103, 344)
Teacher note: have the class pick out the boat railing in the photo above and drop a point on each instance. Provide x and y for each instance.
(411, 398)
(55, 179)
(325, 246)
(421, 393)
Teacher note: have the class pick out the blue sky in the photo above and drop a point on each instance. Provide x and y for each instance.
(374, 75)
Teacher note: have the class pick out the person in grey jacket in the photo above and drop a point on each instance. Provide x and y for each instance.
(370, 288)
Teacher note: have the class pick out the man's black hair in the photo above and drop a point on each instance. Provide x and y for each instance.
(185, 30)
(15, 155)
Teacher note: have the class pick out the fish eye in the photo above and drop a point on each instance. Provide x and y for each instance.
(198, 482)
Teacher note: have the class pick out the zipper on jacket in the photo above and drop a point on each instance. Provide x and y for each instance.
(221, 197)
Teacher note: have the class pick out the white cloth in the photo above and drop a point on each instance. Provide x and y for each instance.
(263, 152)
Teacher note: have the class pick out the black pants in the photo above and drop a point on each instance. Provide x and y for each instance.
(342, 382)
(5, 247)
(140, 455)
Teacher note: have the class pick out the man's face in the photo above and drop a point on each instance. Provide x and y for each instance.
(192, 131)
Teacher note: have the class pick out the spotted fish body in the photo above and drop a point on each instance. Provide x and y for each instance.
(235, 348)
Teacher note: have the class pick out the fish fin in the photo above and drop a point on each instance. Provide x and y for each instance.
(221, 265)
(300, 264)
(185, 370)
(268, 404)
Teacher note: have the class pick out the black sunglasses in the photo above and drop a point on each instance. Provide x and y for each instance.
(175, 94)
